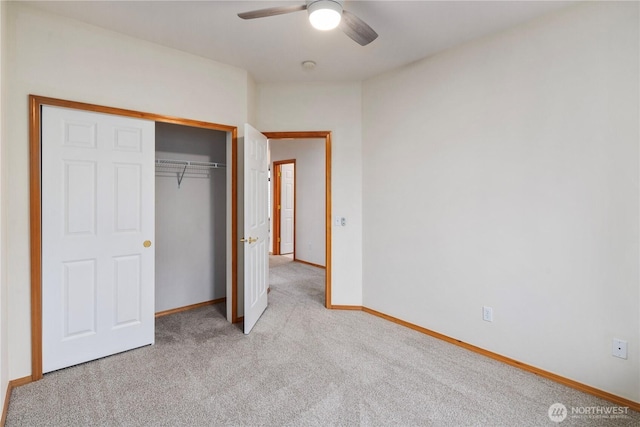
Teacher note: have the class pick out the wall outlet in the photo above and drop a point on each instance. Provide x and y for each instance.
(619, 348)
(339, 221)
(487, 314)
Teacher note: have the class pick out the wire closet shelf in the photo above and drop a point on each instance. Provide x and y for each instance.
(180, 168)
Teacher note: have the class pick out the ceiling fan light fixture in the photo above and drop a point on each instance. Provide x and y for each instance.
(325, 14)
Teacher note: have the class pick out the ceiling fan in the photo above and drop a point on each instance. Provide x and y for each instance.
(324, 15)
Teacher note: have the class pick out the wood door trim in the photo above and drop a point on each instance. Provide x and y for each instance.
(276, 212)
(35, 209)
(326, 135)
(35, 227)
(277, 200)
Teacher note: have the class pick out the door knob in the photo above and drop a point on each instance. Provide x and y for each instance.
(249, 240)
(146, 243)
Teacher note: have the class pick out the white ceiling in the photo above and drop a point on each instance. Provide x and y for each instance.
(272, 48)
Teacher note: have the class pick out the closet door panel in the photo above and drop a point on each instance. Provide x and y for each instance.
(128, 189)
(97, 232)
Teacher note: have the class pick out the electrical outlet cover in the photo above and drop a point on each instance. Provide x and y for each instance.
(619, 348)
(487, 314)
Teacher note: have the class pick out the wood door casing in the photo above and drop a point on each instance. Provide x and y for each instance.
(277, 201)
(326, 135)
(287, 208)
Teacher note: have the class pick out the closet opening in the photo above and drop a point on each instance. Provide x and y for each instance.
(191, 218)
(224, 139)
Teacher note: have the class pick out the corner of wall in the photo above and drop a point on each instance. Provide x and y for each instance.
(4, 360)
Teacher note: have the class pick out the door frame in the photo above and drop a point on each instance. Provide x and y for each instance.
(277, 200)
(35, 203)
(326, 135)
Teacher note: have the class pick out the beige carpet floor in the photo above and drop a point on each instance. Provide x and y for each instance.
(303, 365)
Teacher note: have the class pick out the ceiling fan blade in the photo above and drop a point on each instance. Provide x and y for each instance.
(357, 29)
(263, 13)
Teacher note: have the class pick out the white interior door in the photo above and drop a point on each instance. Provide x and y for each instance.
(287, 199)
(97, 228)
(256, 226)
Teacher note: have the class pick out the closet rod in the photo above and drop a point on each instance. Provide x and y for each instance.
(183, 166)
(188, 163)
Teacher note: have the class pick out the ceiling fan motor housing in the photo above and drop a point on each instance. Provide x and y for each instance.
(340, 3)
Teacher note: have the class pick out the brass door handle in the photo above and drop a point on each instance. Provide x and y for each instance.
(146, 243)
(249, 240)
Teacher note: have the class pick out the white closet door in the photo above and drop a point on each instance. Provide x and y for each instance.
(97, 228)
(256, 226)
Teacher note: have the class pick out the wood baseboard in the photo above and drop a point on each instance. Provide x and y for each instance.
(12, 384)
(20, 381)
(189, 307)
(5, 408)
(541, 372)
(347, 307)
(309, 263)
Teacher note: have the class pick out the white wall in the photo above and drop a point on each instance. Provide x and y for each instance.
(251, 100)
(309, 194)
(191, 223)
(56, 57)
(4, 359)
(336, 108)
(505, 173)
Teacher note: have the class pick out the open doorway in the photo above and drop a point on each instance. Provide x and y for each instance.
(317, 145)
(299, 199)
